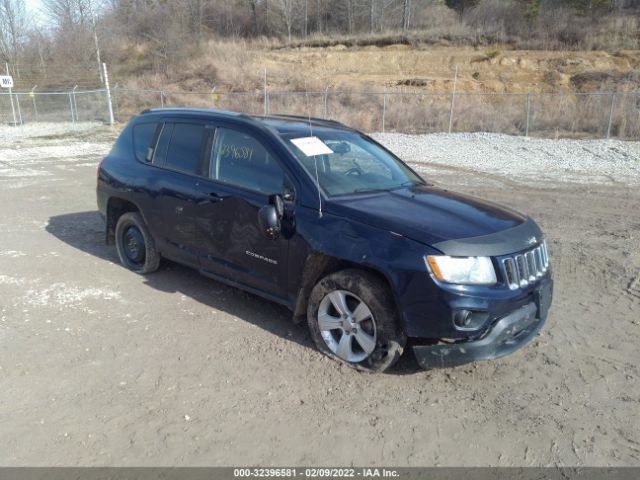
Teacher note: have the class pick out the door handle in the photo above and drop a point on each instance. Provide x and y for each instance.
(211, 197)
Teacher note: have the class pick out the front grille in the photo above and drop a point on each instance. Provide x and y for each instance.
(522, 269)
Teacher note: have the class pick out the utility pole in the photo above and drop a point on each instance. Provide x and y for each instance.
(95, 39)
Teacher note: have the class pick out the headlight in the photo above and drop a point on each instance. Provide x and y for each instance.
(464, 271)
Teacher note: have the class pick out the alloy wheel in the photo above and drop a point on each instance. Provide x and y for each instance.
(347, 326)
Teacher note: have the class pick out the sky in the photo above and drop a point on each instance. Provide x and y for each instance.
(34, 9)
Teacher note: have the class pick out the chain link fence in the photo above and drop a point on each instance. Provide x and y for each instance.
(550, 115)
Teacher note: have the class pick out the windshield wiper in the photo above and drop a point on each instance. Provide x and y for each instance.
(408, 183)
(372, 190)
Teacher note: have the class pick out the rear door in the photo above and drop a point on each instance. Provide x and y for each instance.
(243, 174)
(179, 156)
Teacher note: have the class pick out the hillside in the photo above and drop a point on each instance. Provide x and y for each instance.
(240, 66)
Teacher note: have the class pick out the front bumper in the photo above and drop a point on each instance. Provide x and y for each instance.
(507, 335)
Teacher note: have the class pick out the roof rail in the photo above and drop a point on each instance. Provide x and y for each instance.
(254, 119)
(305, 118)
(190, 109)
(211, 111)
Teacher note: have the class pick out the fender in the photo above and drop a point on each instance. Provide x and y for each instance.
(330, 243)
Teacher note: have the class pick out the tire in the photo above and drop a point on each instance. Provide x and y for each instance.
(368, 339)
(135, 245)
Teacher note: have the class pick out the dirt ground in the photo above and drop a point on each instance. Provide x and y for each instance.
(100, 366)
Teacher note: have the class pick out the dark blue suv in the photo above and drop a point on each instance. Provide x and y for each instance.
(322, 219)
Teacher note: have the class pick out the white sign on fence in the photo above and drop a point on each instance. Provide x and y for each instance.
(6, 81)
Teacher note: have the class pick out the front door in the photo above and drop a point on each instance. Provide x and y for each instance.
(243, 174)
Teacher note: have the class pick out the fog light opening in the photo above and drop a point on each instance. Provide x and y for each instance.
(469, 320)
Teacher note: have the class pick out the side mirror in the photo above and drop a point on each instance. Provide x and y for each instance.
(269, 221)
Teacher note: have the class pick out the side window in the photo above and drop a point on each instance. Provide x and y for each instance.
(143, 135)
(239, 159)
(160, 153)
(184, 149)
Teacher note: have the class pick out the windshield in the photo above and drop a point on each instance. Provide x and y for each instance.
(355, 165)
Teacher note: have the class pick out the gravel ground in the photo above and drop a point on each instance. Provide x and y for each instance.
(49, 130)
(606, 162)
(527, 159)
(99, 366)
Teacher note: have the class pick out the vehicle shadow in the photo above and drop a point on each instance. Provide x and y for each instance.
(85, 232)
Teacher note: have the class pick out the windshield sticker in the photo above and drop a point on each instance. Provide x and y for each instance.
(311, 146)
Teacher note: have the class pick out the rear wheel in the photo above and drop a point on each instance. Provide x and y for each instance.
(135, 245)
(352, 318)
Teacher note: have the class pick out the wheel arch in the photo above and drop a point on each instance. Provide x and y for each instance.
(319, 265)
(116, 207)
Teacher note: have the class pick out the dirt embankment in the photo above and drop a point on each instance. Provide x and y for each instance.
(479, 69)
(240, 66)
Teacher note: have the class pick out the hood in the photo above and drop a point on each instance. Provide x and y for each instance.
(428, 214)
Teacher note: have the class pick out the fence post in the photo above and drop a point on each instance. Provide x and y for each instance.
(75, 104)
(384, 107)
(33, 98)
(162, 98)
(106, 84)
(526, 122)
(115, 102)
(611, 111)
(266, 98)
(19, 110)
(326, 97)
(73, 119)
(453, 100)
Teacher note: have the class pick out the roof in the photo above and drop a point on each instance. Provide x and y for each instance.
(286, 124)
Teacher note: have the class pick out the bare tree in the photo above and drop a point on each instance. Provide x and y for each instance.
(306, 17)
(350, 16)
(406, 12)
(319, 15)
(13, 29)
(253, 6)
(286, 10)
(65, 13)
(371, 14)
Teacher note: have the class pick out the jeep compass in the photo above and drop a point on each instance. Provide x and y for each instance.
(321, 218)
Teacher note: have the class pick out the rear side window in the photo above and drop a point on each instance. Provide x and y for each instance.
(184, 149)
(240, 159)
(143, 135)
(163, 143)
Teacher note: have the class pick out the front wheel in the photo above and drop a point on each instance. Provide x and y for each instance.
(352, 318)
(135, 245)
